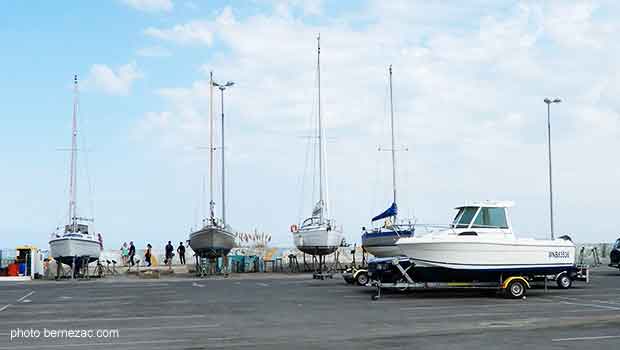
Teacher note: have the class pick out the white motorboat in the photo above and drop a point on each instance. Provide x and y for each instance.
(318, 235)
(381, 241)
(480, 241)
(75, 244)
(215, 238)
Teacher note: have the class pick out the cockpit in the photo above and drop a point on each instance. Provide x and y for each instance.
(489, 217)
(311, 221)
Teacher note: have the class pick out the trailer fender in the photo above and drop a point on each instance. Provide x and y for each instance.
(510, 279)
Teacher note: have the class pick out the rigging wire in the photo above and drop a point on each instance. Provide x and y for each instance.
(91, 202)
(377, 198)
(309, 148)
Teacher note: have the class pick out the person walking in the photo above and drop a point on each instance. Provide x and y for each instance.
(181, 251)
(147, 255)
(131, 253)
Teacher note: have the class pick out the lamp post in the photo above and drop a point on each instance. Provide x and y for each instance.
(223, 87)
(549, 102)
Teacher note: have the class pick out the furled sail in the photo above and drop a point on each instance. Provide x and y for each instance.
(318, 208)
(391, 211)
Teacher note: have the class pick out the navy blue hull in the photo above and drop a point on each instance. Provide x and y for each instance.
(385, 271)
(614, 258)
(386, 238)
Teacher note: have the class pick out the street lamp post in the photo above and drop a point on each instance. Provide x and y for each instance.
(549, 102)
(223, 87)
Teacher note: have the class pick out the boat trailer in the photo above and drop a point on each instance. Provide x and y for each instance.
(513, 285)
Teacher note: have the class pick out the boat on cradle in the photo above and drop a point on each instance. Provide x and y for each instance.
(215, 238)
(318, 235)
(480, 245)
(75, 244)
(381, 241)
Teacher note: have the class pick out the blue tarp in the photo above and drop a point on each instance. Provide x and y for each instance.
(391, 211)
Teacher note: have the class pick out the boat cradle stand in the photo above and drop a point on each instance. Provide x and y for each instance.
(208, 266)
(78, 268)
(513, 286)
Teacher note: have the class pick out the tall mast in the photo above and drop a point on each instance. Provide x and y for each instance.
(223, 169)
(321, 149)
(393, 142)
(73, 166)
(211, 149)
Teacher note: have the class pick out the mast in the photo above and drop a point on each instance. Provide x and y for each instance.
(211, 149)
(320, 126)
(393, 141)
(73, 165)
(223, 171)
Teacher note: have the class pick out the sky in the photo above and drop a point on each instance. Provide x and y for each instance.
(469, 82)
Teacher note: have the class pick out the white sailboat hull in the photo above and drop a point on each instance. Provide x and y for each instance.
(474, 253)
(64, 249)
(318, 240)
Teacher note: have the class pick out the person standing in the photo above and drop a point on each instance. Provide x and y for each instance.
(147, 255)
(181, 251)
(124, 253)
(132, 253)
(169, 253)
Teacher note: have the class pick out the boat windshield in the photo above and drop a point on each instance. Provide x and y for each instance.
(617, 245)
(464, 217)
(491, 218)
(310, 221)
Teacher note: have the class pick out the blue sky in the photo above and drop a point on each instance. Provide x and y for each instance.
(469, 84)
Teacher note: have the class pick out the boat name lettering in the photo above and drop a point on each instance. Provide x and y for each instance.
(559, 254)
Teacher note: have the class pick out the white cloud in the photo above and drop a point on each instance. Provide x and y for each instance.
(113, 82)
(153, 51)
(308, 7)
(150, 5)
(195, 32)
(573, 25)
(469, 83)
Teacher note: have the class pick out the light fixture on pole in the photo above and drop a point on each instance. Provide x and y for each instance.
(223, 87)
(549, 101)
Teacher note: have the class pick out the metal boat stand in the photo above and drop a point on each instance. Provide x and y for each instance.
(322, 273)
(307, 267)
(208, 266)
(293, 265)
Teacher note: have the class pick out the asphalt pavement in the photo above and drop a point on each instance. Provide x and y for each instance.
(277, 311)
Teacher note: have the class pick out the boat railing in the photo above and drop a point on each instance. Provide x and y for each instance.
(434, 227)
(217, 222)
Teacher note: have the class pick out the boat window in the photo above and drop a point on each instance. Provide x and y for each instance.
(491, 218)
(617, 245)
(468, 233)
(466, 217)
(457, 217)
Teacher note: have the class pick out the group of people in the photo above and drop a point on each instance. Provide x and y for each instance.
(128, 253)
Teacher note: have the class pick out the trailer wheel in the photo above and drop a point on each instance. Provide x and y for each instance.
(361, 279)
(564, 281)
(516, 289)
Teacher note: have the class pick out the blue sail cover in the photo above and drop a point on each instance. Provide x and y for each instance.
(391, 211)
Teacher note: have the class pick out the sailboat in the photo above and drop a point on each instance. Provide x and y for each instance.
(215, 238)
(318, 235)
(75, 245)
(381, 241)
